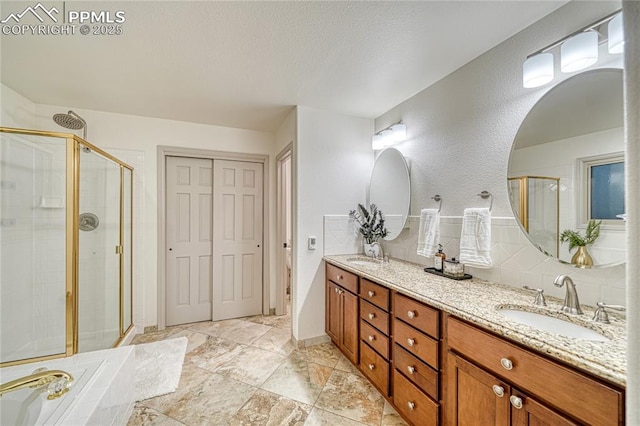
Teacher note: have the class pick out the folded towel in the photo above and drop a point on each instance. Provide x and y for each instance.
(429, 232)
(475, 240)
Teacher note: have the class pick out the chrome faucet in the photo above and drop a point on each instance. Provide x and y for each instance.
(571, 303)
(372, 250)
(39, 379)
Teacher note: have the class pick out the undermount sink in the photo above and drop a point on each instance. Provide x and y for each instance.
(552, 325)
(363, 261)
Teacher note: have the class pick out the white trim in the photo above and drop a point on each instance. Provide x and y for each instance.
(281, 306)
(171, 151)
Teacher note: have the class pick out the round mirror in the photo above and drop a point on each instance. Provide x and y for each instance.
(390, 189)
(566, 170)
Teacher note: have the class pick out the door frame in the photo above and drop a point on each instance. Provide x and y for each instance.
(172, 151)
(286, 153)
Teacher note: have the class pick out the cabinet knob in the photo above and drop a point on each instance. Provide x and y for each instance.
(372, 293)
(372, 338)
(339, 277)
(507, 364)
(411, 405)
(498, 390)
(336, 289)
(411, 342)
(516, 401)
(411, 369)
(372, 315)
(371, 366)
(411, 314)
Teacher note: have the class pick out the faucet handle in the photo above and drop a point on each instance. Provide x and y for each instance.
(601, 315)
(539, 300)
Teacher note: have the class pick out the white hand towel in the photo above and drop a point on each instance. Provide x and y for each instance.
(429, 232)
(475, 240)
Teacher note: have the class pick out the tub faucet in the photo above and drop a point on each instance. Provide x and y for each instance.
(571, 303)
(39, 379)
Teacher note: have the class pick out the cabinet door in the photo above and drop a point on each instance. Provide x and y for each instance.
(333, 312)
(474, 397)
(350, 321)
(526, 411)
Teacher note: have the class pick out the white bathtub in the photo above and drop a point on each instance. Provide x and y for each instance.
(102, 392)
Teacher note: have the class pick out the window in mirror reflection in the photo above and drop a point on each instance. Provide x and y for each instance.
(605, 185)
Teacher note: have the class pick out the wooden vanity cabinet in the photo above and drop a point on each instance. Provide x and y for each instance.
(492, 381)
(374, 335)
(341, 311)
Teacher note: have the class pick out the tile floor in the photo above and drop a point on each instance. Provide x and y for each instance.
(247, 372)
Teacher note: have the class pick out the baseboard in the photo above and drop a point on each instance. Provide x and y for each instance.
(301, 344)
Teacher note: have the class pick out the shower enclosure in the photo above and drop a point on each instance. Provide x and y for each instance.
(65, 246)
(536, 201)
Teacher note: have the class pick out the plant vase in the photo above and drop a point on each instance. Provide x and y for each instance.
(372, 249)
(582, 258)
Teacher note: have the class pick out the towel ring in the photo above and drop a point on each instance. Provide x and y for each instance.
(486, 194)
(437, 198)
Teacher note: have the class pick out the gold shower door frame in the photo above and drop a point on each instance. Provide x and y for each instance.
(72, 231)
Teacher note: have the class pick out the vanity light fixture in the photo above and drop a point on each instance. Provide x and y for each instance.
(389, 136)
(578, 50)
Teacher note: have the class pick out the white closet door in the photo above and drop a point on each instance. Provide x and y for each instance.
(189, 245)
(237, 241)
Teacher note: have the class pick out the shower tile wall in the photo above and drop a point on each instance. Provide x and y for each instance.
(32, 248)
(516, 261)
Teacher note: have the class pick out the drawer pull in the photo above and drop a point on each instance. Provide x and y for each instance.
(411, 314)
(507, 364)
(411, 342)
(339, 277)
(337, 291)
(372, 338)
(372, 293)
(516, 402)
(498, 390)
(411, 369)
(411, 405)
(371, 366)
(372, 315)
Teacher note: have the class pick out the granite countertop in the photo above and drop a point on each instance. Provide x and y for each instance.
(477, 301)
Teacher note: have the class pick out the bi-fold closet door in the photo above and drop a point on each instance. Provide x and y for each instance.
(214, 226)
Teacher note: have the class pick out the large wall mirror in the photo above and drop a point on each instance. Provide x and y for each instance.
(567, 167)
(390, 189)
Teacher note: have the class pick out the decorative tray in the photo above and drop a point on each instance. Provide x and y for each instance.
(441, 274)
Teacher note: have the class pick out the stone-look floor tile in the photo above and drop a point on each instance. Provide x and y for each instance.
(324, 354)
(195, 339)
(156, 336)
(345, 365)
(278, 321)
(390, 416)
(298, 379)
(266, 408)
(191, 377)
(319, 417)
(244, 332)
(145, 416)
(212, 352)
(213, 402)
(213, 328)
(276, 340)
(247, 364)
(352, 396)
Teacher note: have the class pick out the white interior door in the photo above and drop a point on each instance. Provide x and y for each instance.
(237, 242)
(189, 245)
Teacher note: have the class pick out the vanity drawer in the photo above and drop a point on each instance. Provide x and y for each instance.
(419, 373)
(413, 404)
(375, 339)
(374, 316)
(419, 344)
(375, 368)
(552, 383)
(374, 293)
(422, 317)
(343, 278)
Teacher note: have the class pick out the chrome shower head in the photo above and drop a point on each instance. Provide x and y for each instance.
(71, 120)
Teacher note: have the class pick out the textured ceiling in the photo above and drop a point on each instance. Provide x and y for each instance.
(245, 64)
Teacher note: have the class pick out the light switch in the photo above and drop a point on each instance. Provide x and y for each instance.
(311, 243)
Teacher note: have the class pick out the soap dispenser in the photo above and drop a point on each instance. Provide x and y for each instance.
(438, 259)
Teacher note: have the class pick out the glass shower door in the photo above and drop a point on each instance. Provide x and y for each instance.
(98, 252)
